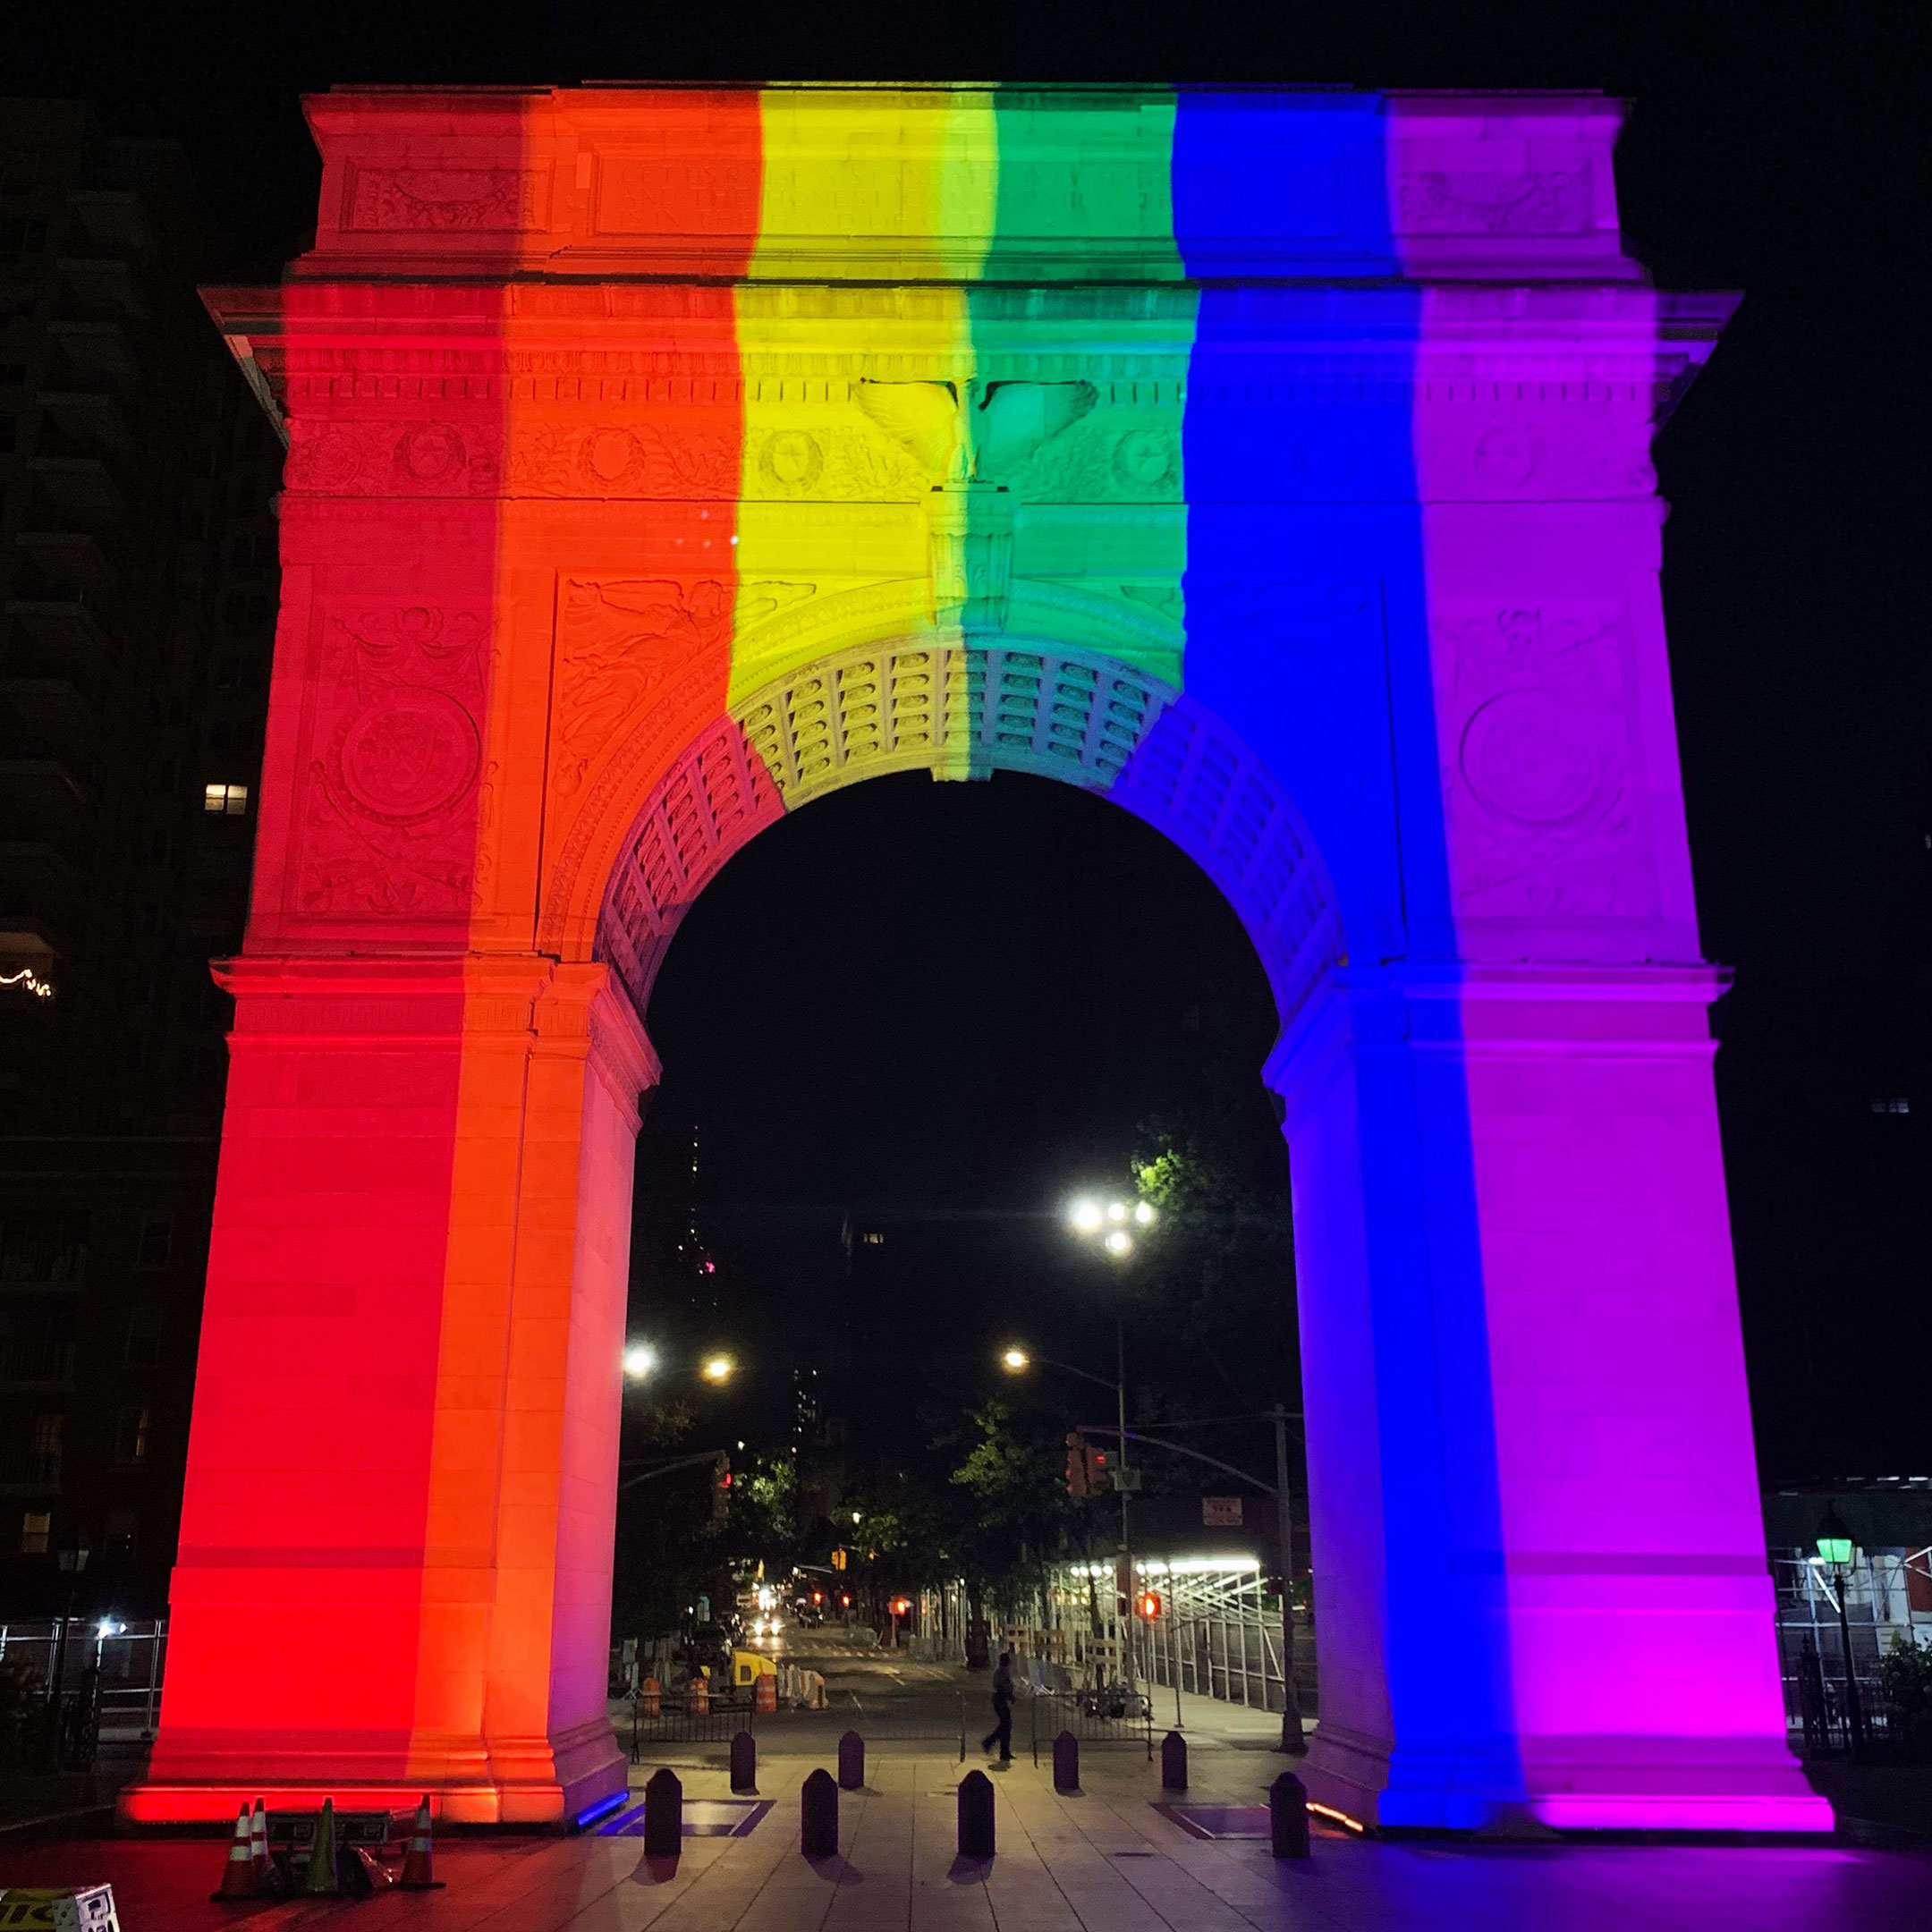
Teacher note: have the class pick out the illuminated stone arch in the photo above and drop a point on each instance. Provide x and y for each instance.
(654, 455)
(963, 711)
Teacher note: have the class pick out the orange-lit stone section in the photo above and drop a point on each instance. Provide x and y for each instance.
(394, 1571)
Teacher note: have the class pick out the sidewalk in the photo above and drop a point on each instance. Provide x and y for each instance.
(1101, 1860)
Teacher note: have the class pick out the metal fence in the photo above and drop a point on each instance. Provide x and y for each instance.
(937, 1717)
(1111, 1714)
(103, 1675)
(111, 1667)
(1876, 1594)
(675, 1722)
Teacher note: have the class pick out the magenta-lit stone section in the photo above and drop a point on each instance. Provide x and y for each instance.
(1634, 1595)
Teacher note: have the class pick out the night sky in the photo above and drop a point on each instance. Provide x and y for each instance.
(925, 1009)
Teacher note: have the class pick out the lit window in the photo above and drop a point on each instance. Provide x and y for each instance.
(230, 799)
(36, 1526)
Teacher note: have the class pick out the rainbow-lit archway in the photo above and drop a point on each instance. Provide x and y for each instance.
(1274, 462)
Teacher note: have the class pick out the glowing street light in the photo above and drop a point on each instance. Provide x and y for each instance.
(718, 1368)
(1015, 1360)
(639, 1360)
(1088, 1216)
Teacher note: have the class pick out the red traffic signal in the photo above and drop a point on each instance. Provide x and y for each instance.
(1150, 1605)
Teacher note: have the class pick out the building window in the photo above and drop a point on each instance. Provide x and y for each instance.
(131, 1435)
(43, 1459)
(144, 1338)
(43, 1247)
(19, 239)
(35, 1527)
(229, 798)
(157, 1242)
(1891, 1104)
(121, 1532)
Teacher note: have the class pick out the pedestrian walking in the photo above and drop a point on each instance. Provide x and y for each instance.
(1002, 1700)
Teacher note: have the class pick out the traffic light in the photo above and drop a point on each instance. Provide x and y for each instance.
(1086, 1466)
(721, 1490)
(1150, 1605)
(838, 1559)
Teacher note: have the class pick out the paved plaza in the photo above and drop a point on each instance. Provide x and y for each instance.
(1104, 1860)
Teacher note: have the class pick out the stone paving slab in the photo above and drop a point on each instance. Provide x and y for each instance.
(1101, 1860)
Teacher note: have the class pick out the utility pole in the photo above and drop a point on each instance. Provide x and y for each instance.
(1120, 1482)
(1292, 1740)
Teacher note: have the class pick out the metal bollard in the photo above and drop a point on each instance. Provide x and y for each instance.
(1287, 1811)
(819, 1814)
(976, 1816)
(1066, 1762)
(1173, 1762)
(745, 1762)
(664, 1816)
(851, 1762)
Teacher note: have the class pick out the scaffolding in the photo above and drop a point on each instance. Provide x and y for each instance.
(1218, 1633)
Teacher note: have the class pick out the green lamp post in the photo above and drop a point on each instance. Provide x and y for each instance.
(1834, 1549)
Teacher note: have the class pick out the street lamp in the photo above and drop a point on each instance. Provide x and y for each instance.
(642, 1361)
(1016, 1360)
(1834, 1549)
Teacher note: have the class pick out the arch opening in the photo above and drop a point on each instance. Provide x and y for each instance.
(962, 710)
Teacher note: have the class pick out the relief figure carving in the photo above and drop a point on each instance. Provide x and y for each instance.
(618, 642)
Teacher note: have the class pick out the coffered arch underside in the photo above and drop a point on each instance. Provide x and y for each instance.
(962, 709)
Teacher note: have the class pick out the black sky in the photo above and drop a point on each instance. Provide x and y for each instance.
(868, 1040)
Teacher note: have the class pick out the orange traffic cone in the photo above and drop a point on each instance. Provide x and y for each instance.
(418, 1874)
(238, 1874)
(651, 1693)
(267, 1873)
(697, 1697)
(765, 1692)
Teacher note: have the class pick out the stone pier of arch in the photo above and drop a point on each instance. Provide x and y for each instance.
(1275, 464)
